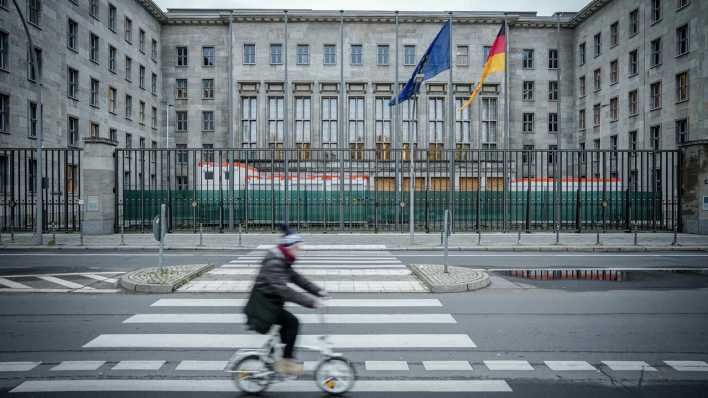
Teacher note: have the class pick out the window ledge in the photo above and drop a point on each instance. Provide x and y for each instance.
(93, 61)
(207, 98)
(613, 83)
(632, 75)
(74, 50)
(4, 70)
(655, 109)
(631, 35)
(655, 66)
(652, 23)
(94, 106)
(34, 24)
(682, 54)
(631, 115)
(682, 101)
(209, 66)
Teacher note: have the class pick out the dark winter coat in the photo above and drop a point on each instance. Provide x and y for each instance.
(273, 278)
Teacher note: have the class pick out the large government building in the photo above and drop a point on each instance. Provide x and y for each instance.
(618, 74)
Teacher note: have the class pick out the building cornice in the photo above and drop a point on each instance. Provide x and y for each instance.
(153, 9)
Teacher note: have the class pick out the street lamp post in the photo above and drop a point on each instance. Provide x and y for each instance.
(167, 125)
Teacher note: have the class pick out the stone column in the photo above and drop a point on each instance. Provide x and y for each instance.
(694, 187)
(97, 184)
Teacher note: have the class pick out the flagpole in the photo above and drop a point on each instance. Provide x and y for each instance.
(340, 121)
(507, 128)
(396, 133)
(451, 127)
(558, 132)
(285, 115)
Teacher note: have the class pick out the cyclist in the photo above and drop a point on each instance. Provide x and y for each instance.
(271, 285)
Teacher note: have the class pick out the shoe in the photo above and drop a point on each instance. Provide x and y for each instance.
(289, 367)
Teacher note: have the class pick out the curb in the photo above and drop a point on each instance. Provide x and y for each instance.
(130, 283)
(464, 280)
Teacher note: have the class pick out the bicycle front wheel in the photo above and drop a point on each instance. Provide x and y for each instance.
(335, 376)
(251, 375)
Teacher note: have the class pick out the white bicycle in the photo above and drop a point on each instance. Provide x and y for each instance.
(253, 369)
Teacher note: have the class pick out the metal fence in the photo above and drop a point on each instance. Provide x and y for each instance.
(357, 189)
(61, 189)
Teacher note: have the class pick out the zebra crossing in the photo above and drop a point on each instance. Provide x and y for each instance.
(70, 282)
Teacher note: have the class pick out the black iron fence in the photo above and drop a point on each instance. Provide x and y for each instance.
(61, 189)
(357, 189)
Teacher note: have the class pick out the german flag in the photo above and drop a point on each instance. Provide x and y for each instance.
(494, 63)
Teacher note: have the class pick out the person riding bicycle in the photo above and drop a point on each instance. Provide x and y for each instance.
(270, 292)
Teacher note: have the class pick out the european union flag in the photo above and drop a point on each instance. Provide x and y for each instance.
(435, 60)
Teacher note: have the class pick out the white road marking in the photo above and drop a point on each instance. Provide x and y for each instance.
(62, 282)
(323, 258)
(78, 365)
(13, 284)
(569, 365)
(166, 340)
(221, 385)
(202, 365)
(304, 318)
(629, 366)
(244, 286)
(301, 266)
(508, 365)
(18, 366)
(332, 247)
(3, 290)
(386, 365)
(138, 365)
(66, 274)
(553, 254)
(447, 365)
(688, 366)
(371, 263)
(318, 272)
(178, 302)
(100, 278)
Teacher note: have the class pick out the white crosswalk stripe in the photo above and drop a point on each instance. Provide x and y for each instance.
(18, 366)
(138, 365)
(303, 318)
(78, 366)
(91, 282)
(629, 366)
(688, 366)
(508, 365)
(179, 302)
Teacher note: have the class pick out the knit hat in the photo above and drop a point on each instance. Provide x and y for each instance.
(289, 237)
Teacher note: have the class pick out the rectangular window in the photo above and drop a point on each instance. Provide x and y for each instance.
(153, 83)
(34, 11)
(141, 112)
(528, 89)
(382, 128)
(463, 55)
(208, 156)
(614, 34)
(409, 115)
(94, 51)
(141, 41)
(581, 119)
(655, 11)
(329, 112)
(182, 58)
(330, 54)
(581, 54)
(655, 95)
(113, 134)
(153, 116)
(436, 120)
(181, 88)
(207, 120)
(409, 55)
(553, 90)
(276, 120)
(249, 54)
(128, 140)
(614, 109)
(73, 83)
(112, 100)
(463, 123)
(682, 87)
(4, 113)
(681, 4)
(303, 54)
(552, 58)
(72, 131)
(655, 58)
(596, 158)
(581, 86)
(597, 44)
(356, 54)
(597, 79)
(142, 142)
(141, 77)
(128, 30)
(153, 50)
(655, 135)
(527, 58)
(128, 107)
(31, 71)
(182, 121)
(249, 126)
(632, 140)
(72, 32)
(4, 50)
(128, 69)
(208, 88)
(112, 17)
(633, 63)
(303, 124)
(681, 131)
(112, 59)
(633, 22)
(356, 127)
(489, 122)
(614, 72)
(614, 157)
(208, 56)
(633, 107)
(93, 8)
(485, 53)
(552, 122)
(276, 54)
(682, 40)
(528, 122)
(382, 54)
(32, 119)
(93, 100)
(596, 115)
(94, 131)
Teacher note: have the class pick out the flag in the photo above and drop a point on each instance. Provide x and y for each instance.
(494, 63)
(435, 60)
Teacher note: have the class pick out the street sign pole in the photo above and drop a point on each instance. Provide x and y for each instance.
(163, 230)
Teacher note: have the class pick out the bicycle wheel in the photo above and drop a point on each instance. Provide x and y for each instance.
(335, 376)
(251, 375)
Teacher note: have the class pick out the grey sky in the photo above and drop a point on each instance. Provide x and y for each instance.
(543, 7)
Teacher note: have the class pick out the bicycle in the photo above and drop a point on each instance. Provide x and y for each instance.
(253, 369)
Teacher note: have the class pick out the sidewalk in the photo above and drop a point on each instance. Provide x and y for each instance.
(541, 241)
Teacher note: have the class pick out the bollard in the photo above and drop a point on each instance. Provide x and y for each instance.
(597, 238)
(54, 233)
(12, 230)
(445, 225)
(479, 237)
(162, 234)
(636, 238)
(201, 241)
(239, 235)
(81, 224)
(122, 225)
(675, 241)
(518, 238)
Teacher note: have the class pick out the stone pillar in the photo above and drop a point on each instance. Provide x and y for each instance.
(694, 187)
(97, 184)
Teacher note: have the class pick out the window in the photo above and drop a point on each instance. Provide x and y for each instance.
(112, 59)
(34, 11)
(153, 116)
(72, 32)
(182, 59)
(93, 100)
(249, 54)
(655, 59)
(128, 69)
(632, 140)
(153, 50)
(94, 131)
(682, 40)
(153, 83)
(4, 113)
(613, 156)
(633, 63)
(553, 90)
(680, 4)
(303, 54)
(330, 54)
(113, 134)
(655, 95)
(128, 107)
(93, 8)
(527, 93)
(597, 44)
(356, 127)
(581, 54)
(356, 54)
(552, 58)
(207, 120)
(682, 87)
(141, 112)
(596, 156)
(208, 56)
(463, 55)
(436, 120)
(128, 140)
(485, 53)
(552, 122)
(597, 78)
(248, 120)
(634, 22)
(72, 131)
(527, 59)
(633, 107)
(614, 109)
(112, 17)
(614, 72)
(128, 30)
(112, 99)
(329, 110)
(142, 142)
(614, 34)
(141, 41)
(382, 128)
(303, 126)
(93, 52)
(489, 122)
(528, 122)
(409, 55)
(655, 135)
(581, 119)
(73, 83)
(4, 50)
(276, 51)
(31, 71)
(596, 115)
(581, 86)
(409, 115)
(382, 54)
(208, 88)
(681, 131)
(276, 120)
(181, 121)
(208, 156)
(181, 88)
(463, 133)
(655, 11)
(32, 119)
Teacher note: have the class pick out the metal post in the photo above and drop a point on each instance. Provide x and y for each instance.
(635, 237)
(54, 234)
(451, 128)
(163, 233)
(558, 134)
(479, 237)
(81, 226)
(411, 176)
(507, 128)
(597, 238)
(232, 136)
(167, 125)
(445, 235)
(286, 140)
(397, 133)
(675, 241)
(201, 239)
(239, 235)
(340, 121)
(518, 237)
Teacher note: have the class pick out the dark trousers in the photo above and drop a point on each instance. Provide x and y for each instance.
(289, 327)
